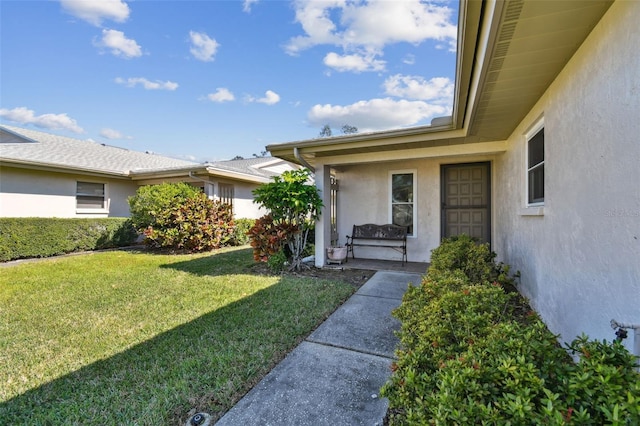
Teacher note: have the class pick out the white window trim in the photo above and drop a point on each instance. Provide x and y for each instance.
(92, 211)
(415, 197)
(538, 206)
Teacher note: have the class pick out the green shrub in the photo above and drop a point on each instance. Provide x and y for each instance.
(197, 224)
(241, 232)
(477, 261)
(474, 353)
(277, 262)
(22, 238)
(152, 203)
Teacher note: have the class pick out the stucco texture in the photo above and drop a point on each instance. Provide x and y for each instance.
(580, 259)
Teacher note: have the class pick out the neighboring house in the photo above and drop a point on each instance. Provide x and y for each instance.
(45, 175)
(541, 158)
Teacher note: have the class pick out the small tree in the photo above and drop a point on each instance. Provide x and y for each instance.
(325, 132)
(349, 130)
(293, 202)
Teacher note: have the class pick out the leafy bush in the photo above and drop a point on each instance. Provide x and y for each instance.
(152, 203)
(477, 261)
(268, 237)
(474, 353)
(197, 224)
(241, 232)
(277, 262)
(22, 238)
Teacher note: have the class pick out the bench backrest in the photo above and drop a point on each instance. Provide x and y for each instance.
(380, 232)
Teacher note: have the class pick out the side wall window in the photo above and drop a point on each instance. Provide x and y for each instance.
(90, 196)
(535, 166)
(403, 199)
(226, 193)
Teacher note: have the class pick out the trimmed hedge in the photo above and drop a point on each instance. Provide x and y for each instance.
(473, 352)
(22, 238)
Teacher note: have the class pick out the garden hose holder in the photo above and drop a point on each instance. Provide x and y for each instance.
(621, 333)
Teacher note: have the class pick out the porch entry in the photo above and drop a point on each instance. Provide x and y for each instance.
(466, 200)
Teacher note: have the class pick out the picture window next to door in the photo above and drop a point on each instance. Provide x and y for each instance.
(403, 200)
(535, 169)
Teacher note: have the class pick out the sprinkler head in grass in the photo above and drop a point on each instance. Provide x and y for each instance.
(199, 419)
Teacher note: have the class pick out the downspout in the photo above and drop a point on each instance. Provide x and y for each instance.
(296, 153)
(621, 333)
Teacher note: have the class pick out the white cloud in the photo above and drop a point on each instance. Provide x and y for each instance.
(119, 44)
(371, 25)
(410, 59)
(23, 115)
(203, 47)
(316, 23)
(221, 95)
(246, 5)
(94, 11)
(375, 114)
(438, 89)
(147, 84)
(270, 98)
(355, 63)
(113, 134)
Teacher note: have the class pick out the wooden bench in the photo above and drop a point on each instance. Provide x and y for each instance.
(370, 235)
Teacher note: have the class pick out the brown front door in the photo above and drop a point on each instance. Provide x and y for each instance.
(466, 200)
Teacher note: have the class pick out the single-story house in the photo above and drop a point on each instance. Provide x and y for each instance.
(46, 175)
(540, 158)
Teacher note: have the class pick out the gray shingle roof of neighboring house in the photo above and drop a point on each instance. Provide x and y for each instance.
(253, 166)
(35, 148)
(52, 150)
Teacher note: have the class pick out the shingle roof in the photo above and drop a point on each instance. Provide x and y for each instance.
(34, 148)
(59, 151)
(251, 166)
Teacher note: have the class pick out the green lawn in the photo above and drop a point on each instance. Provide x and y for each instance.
(127, 337)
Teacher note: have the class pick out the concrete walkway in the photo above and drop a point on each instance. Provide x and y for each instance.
(334, 376)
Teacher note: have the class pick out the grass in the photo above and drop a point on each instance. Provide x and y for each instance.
(136, 338)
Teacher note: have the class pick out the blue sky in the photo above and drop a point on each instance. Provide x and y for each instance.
(209, 80)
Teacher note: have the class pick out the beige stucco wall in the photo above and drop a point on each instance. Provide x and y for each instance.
(580, 259)
(34, 193)
(244, 207)
(364, 198)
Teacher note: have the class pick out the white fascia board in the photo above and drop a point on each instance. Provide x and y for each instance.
(34, 165)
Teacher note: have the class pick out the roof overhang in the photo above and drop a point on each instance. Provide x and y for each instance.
(199, 172)
(47, 167)
(509, 52)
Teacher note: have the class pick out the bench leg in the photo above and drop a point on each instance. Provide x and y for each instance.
(350, 250)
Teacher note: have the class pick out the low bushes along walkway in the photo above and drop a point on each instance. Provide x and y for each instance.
(474, 353)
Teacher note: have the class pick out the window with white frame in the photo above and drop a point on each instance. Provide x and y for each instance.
(535, 166)
(403, 199)
(90, 196)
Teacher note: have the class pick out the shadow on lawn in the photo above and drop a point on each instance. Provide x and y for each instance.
(206, 364)
(225, 263)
